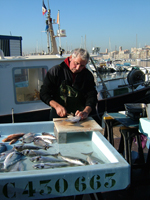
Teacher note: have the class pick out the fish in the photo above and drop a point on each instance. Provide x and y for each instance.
(12, 158)
(46, 138)
(92, 160)
(3, 147)
(74, 160)
(49, 135)
(42, 143)
(70, 114)
(5, 153)
(43, 159)
(28, 138)
(30, 152)
(22, 147)
(48, 141)
(13, 136)
(49, 165)
(19, 166)
(73, 119)
(13, 141)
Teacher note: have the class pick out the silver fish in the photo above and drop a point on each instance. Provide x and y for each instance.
(73, 119)
(19, 166)
(49, 165)
(22, 147)
(28, 138)
(31, 153)
(43, 137)
(49, 135)
(5, 153)
(92, 160)
(42, 143)
(12, 158)
(3, 147)
(46, 138)
(43, 159)
(48, 141)
(74, 160)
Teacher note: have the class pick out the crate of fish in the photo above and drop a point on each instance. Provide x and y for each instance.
(33, 165)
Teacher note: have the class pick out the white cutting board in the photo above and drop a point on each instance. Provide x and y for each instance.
(88, 124)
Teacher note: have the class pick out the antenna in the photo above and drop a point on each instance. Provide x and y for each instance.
(109, 45)
(85, 42)
(58, 22)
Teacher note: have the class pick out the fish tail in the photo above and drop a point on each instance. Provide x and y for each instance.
(58, 154)
(45, 148)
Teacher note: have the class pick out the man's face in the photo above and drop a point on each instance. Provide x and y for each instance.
(77, 64)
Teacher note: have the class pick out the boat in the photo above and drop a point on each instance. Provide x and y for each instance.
(108, 66)
(20, 82)
(133, 87)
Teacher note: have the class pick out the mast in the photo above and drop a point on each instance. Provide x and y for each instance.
(58, 22)
(136, 46)
(50, 33)
(52, 37)
(85, 42)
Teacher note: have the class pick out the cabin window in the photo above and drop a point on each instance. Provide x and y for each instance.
(27, 83)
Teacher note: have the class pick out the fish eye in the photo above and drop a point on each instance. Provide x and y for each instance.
(27, 151)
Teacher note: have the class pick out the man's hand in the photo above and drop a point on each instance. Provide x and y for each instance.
(85, 113)
(60, 110)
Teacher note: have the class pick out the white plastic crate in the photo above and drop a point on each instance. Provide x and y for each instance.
(112, 174)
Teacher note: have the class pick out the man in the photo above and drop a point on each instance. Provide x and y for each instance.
(70, 87)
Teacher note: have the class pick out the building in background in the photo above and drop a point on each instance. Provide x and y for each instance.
(11, 45)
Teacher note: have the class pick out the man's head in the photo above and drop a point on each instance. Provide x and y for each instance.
(78, 60)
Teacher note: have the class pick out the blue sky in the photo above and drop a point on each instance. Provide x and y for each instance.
(105, 24)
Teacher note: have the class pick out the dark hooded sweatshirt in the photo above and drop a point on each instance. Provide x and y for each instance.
(73, 91)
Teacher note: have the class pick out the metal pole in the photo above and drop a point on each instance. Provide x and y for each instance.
(104, 86)
(48, 3)
(12, 111)
(59, 30)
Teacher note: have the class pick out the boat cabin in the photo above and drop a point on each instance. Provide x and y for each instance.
(20, 82)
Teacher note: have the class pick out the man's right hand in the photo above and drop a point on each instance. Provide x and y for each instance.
(60, 110)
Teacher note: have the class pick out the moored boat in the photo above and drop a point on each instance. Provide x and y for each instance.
(114, 93)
